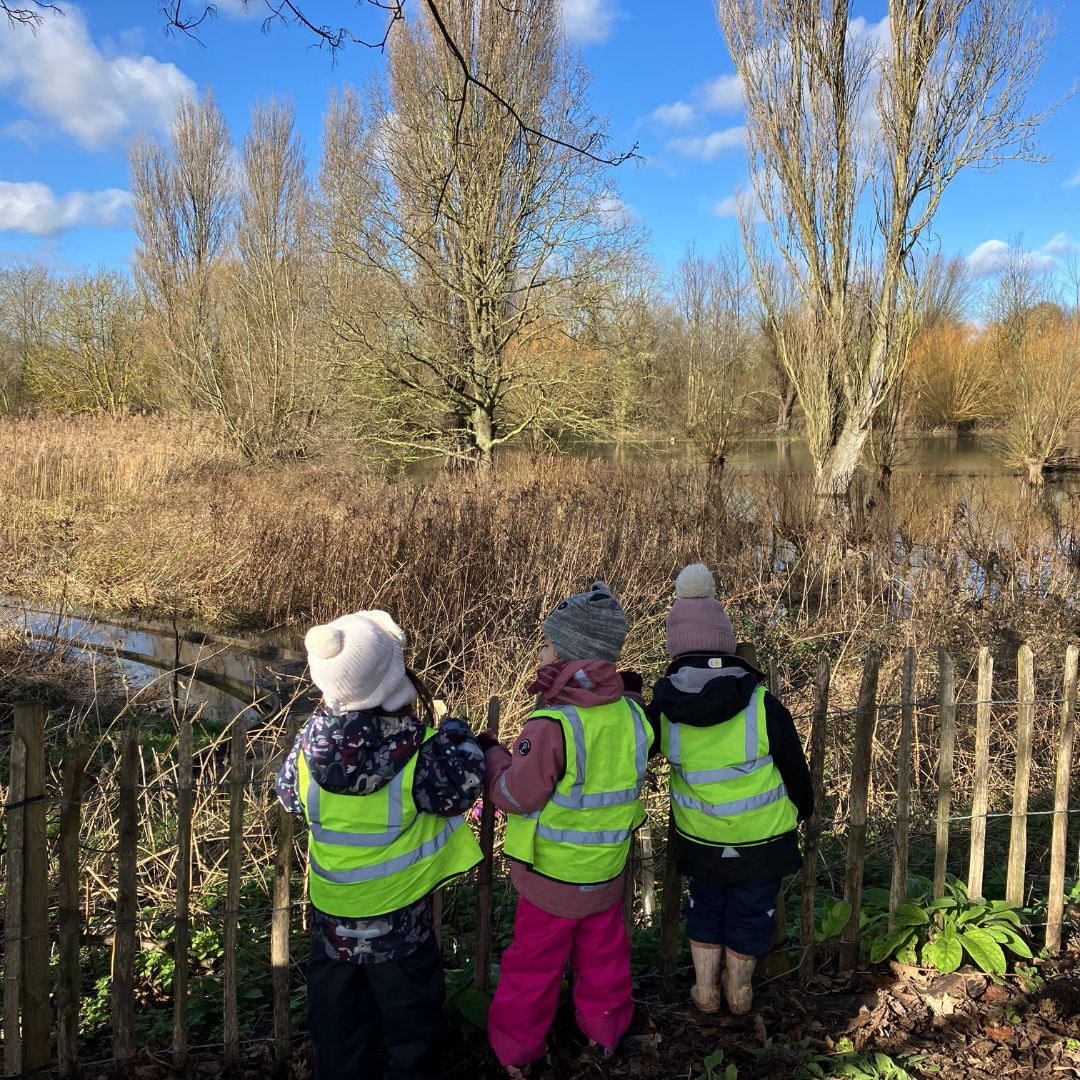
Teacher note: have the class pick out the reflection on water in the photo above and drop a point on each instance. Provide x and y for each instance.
(925, 455)
(219, 676)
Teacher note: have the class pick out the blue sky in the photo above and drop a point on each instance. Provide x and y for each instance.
(73, 97)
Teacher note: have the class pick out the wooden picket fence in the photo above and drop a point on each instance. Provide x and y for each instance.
(33, 919)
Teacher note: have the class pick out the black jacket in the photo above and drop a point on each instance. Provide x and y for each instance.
(719, 700)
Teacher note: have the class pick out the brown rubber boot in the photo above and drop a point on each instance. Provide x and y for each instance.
(707, 958)
(738, 970)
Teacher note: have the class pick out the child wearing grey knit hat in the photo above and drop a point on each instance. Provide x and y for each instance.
(587, 626)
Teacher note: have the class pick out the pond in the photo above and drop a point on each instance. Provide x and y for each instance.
(220, 677)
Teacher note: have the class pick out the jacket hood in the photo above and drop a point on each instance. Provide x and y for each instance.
(356, 753)
(702, 690)
(578, 682)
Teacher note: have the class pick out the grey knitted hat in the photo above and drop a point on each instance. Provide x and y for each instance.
(587, 626)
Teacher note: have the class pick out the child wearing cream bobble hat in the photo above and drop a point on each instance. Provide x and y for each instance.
(384, 794)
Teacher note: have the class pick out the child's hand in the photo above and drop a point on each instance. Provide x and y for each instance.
(487, 740)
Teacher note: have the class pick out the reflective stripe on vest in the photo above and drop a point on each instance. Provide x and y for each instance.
(718, 798)
(374, 853)
(576, 800)
(582, 835)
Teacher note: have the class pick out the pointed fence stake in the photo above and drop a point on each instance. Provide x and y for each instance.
(947, 714)
(13, 906)
(811, 830)
(483, 875)
(1060, 838)
(68, 973)
(123, 959)
(182, 936)
(280, 920)
(237, 759)
(670, 909)
(898, 890)
(858, 800)
(1025, 722)
(980, 799)
(779, 963)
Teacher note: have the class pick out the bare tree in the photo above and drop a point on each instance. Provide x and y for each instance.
(1036, 340)
(90, 360)
(715, 319)
(851, 146)
(28, 293)
(182, 197)
(279, 382)
(457, 235)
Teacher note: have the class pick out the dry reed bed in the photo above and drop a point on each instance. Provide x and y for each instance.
(152, 517)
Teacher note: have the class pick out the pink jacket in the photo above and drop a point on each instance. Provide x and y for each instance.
(521, 780)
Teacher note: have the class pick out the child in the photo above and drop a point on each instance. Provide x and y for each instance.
(739, 786)
(383, 794)
(570, 790)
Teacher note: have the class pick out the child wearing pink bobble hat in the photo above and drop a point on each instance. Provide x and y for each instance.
(739, 785)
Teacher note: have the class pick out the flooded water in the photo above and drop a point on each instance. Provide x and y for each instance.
(218, 676)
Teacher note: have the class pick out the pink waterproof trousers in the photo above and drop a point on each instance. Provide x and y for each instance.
(532, 972)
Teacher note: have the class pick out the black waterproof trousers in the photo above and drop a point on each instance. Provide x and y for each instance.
(351, 1005)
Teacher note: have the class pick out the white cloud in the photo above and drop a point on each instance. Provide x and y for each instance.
(989, 257)
(722, 94)
(617, 213)
(727, 207)
(589, 21)
(61, 77)
(1072, 181)
(708, 147)
(676, 115)
(34, 208)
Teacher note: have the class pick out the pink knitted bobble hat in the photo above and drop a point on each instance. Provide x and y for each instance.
(697, 621)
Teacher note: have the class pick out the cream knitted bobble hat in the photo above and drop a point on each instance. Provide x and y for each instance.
(356, 661)
(697, 621)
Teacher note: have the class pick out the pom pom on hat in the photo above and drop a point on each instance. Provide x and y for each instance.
(324, 642)
(694, 581)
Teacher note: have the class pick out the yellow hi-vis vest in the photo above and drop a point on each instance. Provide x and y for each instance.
(370, 854)
(582, 836)
(724, 787)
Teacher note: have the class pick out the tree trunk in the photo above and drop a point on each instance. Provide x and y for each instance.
(483, 437)
(787, 404)
(1035, 471)
(837, 468)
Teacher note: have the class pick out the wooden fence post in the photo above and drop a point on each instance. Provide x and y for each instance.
(779, 963)
(980, 799)
(670, 910)
(1025, 722)
(862, 753)
(947, 714)
(280, 920)
(482, 978)
(811, 832)
(898, 890)
(182, 937)
(68, 975)
(237, 761)
(13, 919)
(36, 1010)
(123, 956)
(1060, 839)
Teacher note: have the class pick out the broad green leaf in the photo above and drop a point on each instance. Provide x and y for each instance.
(910, 915)
(983, 949)
(473, 1005)
(943, 904)
(713, 1061)
(731, 1073)
(884, 946)
(878, 898)
(971, 914)
(1016, 944)
(836, 919)
(945, 954)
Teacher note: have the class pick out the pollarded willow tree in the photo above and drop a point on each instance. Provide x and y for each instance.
(852, 139)
(458, 232)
